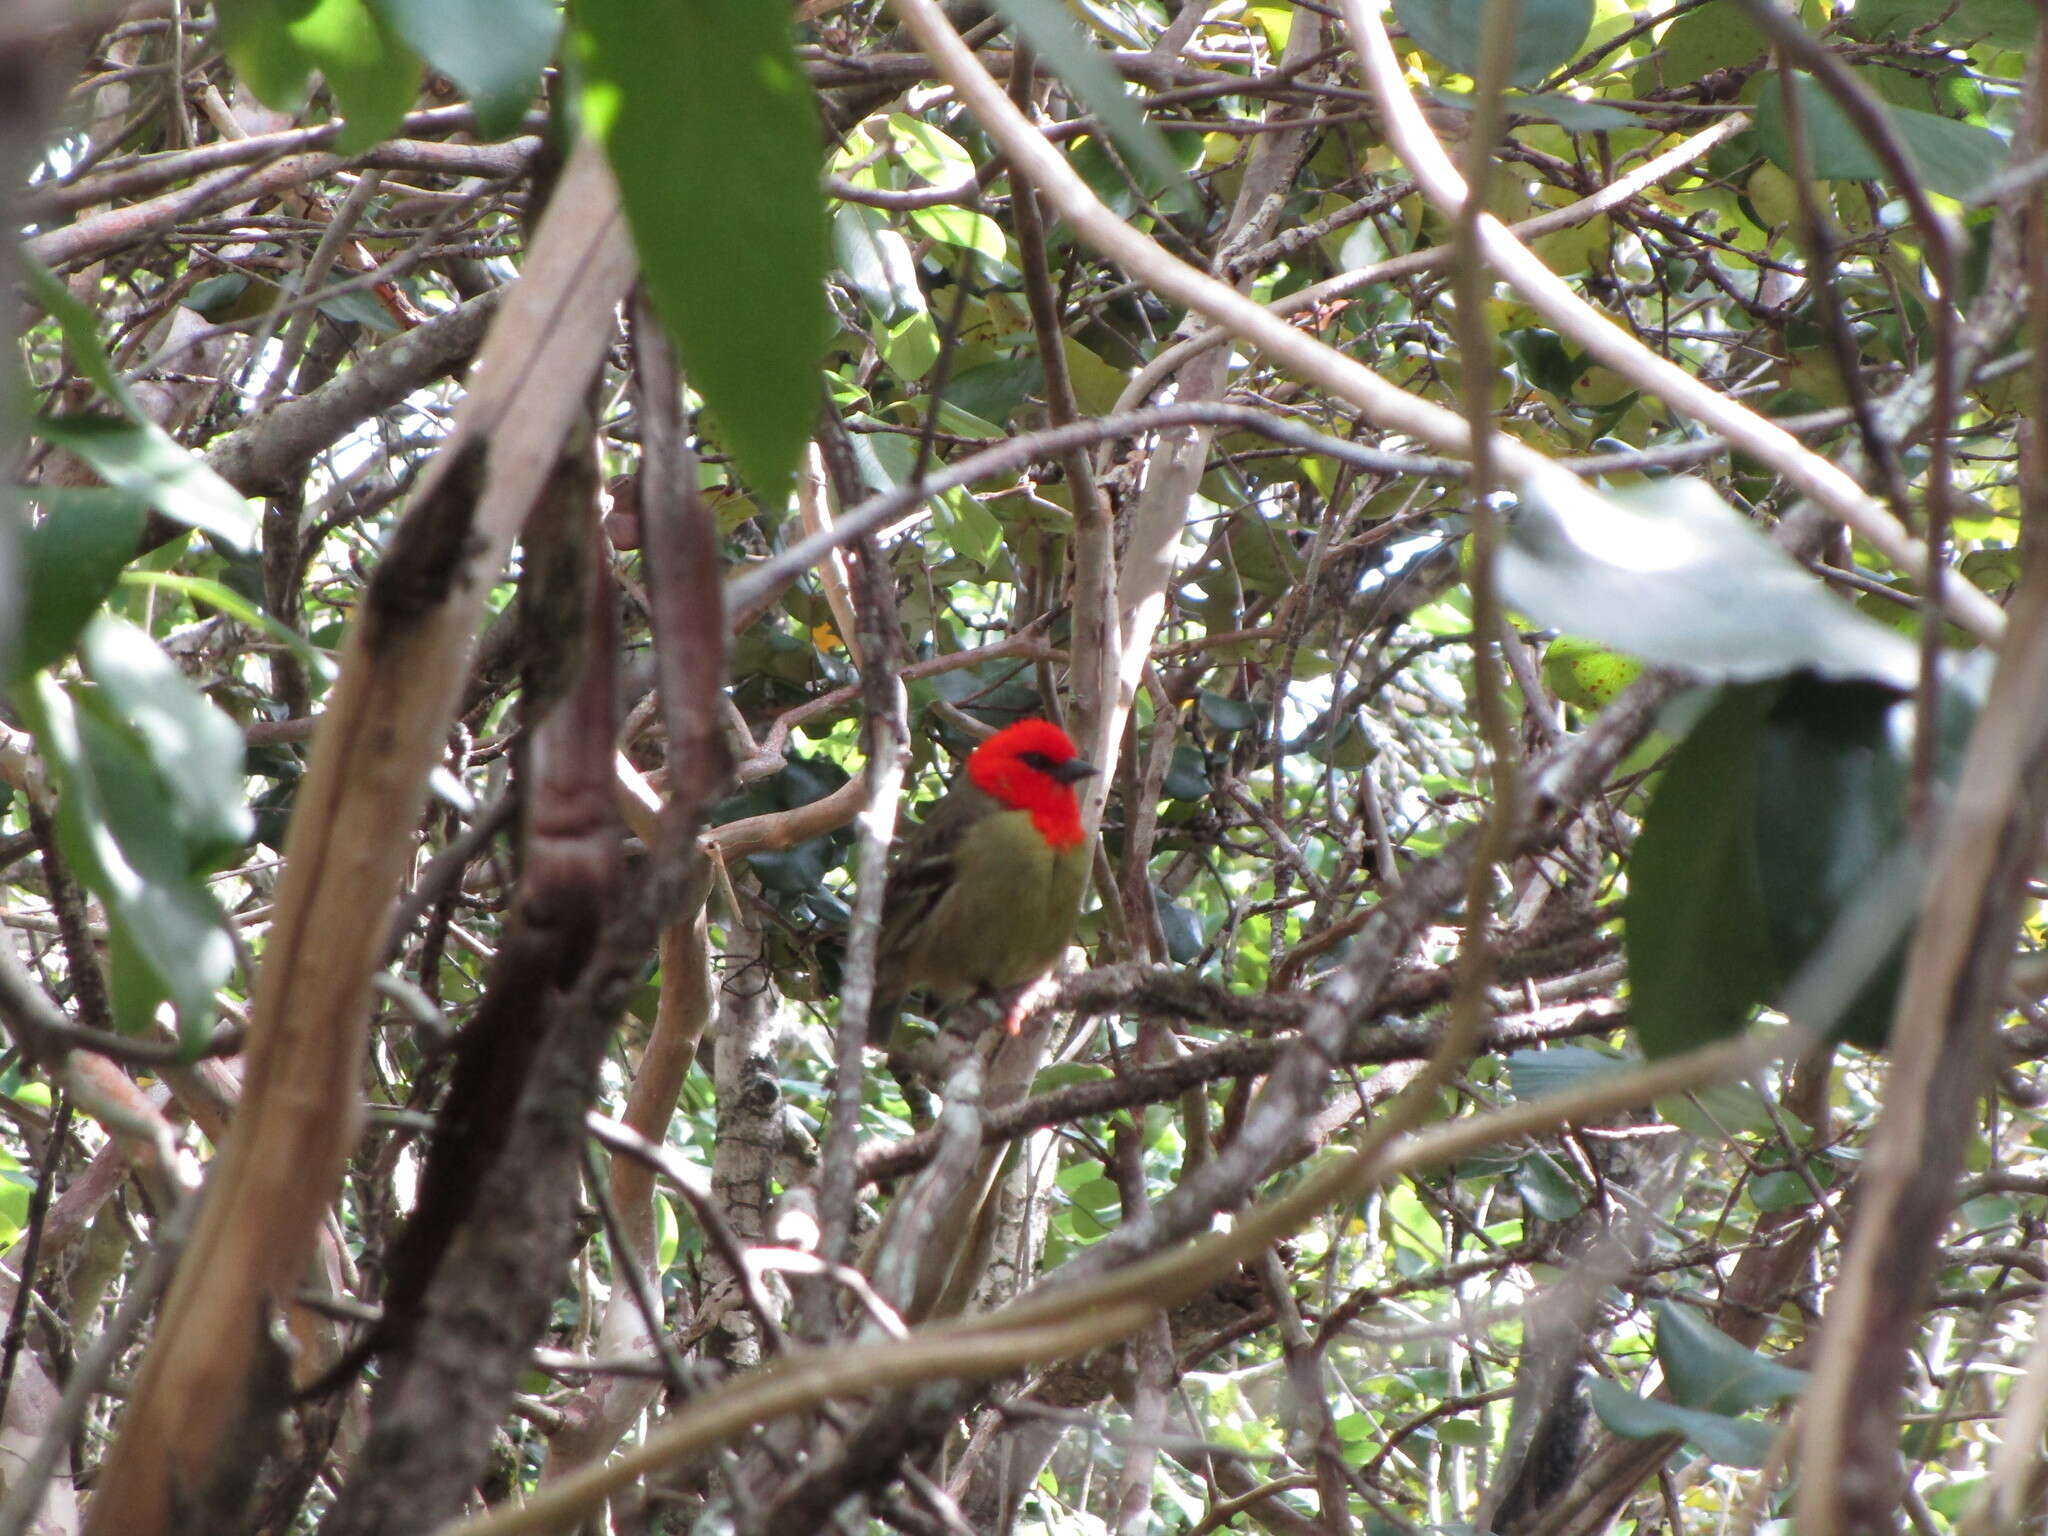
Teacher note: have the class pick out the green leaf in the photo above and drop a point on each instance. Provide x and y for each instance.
(877, 261)
(1951, 158)
(1724, 1110)
(215, 594)
(194, 747)
(1699, 957)
(80, 331)
(275, 44)
(1559, 1069)
(1225, 713)
(712, 129)
(118, 827)
(1187, 775)
(668, 1234)
(910, 347)
(359, 306)
(1065, 1074)
(1706, 1369)
(13, 596)
(72, 559)
(2001, 23)
(1571, 113)
(1550, 33)
(1051, 32)
(1547, 1189)
(1731, 1442)
(1716, 36)
(1785, 1191)
(1182, 927)
(372, 75)
(967, 527)
(962, 227)
(1669, 572)
(141, 458)
(931, 155)
(256, 36)
(494, 49)
(1830, 810)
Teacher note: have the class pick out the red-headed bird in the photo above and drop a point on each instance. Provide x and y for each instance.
(982, 897)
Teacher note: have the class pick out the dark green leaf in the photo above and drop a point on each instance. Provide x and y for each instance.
(1183, 929)
(1549, 33)
(1951, 158)
(72, 559)
(1731, 1442)
(1547, 1190)
(1699, 956)
(1546, 362)
(141, 458)
(1225, 713)
(1830, 809)
(1558, 1069)
(1705, 1369)
(215, 297)
(1050, 30)
(1785, 1191)
(713, 133)
(359, 306)
(494, 49)
(1187, 776)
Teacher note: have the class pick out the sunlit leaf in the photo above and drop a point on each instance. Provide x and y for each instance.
(494, 49)
(1668, 572)
(374, 76)
(877, 261)
(962, 227)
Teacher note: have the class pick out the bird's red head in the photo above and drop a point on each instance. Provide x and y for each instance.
(1033, 766)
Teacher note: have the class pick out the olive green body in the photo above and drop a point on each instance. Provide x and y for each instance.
(978, 903)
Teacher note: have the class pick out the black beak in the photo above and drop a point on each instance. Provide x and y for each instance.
(1073, 770)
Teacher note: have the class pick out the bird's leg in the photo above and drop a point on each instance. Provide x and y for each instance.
(1025, 1000)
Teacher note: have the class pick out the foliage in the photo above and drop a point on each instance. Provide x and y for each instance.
(1728, 754)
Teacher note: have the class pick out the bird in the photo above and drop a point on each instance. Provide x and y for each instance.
(981, 898)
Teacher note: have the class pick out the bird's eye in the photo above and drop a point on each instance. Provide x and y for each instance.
(1037, 760)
